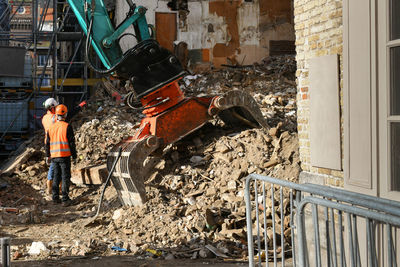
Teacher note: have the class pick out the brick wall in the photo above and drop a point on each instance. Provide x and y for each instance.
(318, 27)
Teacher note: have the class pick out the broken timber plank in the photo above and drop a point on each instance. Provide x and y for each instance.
(96, 174)
(10, 166)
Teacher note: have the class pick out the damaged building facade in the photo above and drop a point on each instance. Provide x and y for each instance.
(219, 32)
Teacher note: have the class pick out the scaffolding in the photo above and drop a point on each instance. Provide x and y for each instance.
(48, 31)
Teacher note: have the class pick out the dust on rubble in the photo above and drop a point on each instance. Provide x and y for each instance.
(195, 206)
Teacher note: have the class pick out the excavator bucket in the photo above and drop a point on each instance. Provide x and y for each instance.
(130, 173)
(238, 106)
(164, 126)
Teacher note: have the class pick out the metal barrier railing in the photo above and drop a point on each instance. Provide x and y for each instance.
(5, 252)
(275, 206)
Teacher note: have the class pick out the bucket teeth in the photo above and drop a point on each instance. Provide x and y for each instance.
(130, 173)
(237, 106)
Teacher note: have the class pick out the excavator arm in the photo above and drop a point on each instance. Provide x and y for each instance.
(154, 73)
(147, 65)
(102, 34)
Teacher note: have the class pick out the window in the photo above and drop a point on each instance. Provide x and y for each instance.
(394, 20)
(45, 80)
(393, 50)
(42, 60)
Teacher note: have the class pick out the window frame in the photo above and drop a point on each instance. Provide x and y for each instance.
(41, 62)
(384, 95)
(46, 80)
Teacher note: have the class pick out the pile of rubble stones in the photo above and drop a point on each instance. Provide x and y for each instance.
(195, 204)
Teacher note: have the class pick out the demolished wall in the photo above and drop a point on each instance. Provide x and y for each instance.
(224, 32)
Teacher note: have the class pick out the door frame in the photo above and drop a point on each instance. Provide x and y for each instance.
(384, 102)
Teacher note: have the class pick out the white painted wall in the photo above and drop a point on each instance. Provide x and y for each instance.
(248, 14)
(193, 35)
(220, 34)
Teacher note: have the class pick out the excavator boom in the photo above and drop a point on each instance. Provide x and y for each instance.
(153, 72)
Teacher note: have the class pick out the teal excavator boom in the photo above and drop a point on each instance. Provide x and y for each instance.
(103, 35)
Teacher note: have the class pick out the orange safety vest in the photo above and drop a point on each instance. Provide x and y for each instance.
(59, 146)
(47, 121)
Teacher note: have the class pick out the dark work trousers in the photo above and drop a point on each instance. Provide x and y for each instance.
(62, 172)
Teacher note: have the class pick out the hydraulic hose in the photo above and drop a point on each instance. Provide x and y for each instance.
(87, 48)
(108, 179)
(131, 101)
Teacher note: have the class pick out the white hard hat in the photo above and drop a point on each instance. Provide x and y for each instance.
(50, 103)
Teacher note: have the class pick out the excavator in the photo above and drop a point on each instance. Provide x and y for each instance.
(153, 73)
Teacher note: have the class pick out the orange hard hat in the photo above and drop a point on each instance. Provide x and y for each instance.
(61, 110)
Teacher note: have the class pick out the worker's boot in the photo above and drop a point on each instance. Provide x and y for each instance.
(49, 185)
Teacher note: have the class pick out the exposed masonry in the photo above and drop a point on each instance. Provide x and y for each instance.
(318, 28)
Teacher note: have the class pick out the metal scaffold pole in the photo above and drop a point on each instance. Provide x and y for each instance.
(34, 35)
(55, 29)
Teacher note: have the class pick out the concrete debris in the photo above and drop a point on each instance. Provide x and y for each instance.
(117, 214)
(36, 248)
(16, 255)
(169, 256)
(195, 206)
(216, 251)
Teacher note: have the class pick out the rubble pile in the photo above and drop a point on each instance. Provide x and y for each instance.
(95, 138)
(196, 196)
(271, 83)
(195, 206)
(100, 125)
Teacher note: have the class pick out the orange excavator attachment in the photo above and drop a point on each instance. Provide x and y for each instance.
(171, 116)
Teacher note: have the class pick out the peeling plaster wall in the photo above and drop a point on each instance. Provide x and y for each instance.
(225, 32)
(215, 29)
(195, 26)
(228, 10)
(276, 21)
(248, 18)
(251, 50)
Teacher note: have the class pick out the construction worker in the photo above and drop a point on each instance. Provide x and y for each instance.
(49, 119)
(60, 146)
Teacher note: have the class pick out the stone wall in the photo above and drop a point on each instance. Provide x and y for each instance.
(318, 28)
